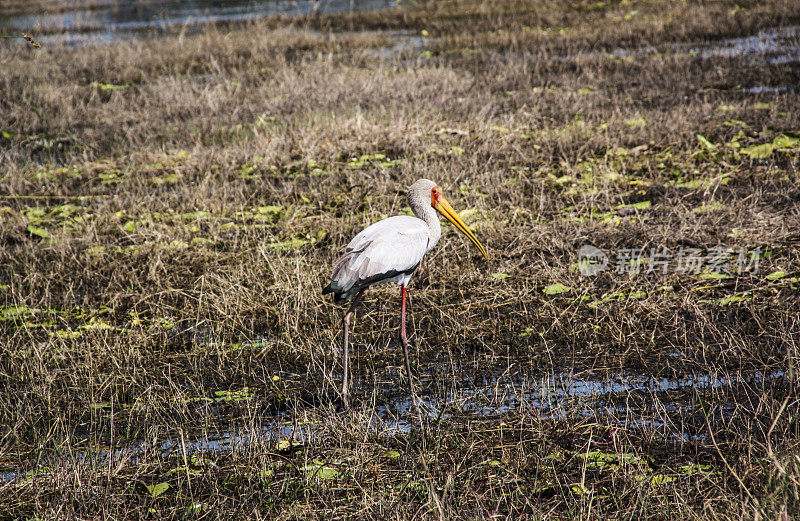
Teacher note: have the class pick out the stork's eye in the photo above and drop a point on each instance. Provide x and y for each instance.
(434, 196)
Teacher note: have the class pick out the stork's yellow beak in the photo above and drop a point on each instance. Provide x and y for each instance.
(444, 208)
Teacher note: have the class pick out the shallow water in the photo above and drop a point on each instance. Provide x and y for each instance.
(562, 395)
(772, 46)
(404, 42)
(113, 20)
(767, 89)
(628, 401)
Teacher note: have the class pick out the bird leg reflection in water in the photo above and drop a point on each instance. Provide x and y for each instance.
(390, 251)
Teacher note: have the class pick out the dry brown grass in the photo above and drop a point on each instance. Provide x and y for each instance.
(142, 270)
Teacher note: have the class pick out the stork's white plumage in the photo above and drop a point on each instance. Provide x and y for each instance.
(389, 251)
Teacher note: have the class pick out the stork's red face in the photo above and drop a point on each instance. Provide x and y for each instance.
(435, 195)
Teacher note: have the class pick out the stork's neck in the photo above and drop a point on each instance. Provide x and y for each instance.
(426, 212)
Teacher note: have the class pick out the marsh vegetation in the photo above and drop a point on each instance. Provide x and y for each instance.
(170, 208)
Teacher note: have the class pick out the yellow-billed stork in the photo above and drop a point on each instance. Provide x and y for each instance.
(389, 251)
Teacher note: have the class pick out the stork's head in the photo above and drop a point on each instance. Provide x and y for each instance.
(425, 189)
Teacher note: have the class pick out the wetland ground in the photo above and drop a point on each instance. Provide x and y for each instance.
(170, 206)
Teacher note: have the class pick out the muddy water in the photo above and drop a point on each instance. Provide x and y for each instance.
(109, 20)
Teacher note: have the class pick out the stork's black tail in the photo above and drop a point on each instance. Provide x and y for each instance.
(337, 296)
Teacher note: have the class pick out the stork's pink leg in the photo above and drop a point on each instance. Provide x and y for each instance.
(346, 361)
(404, 340)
